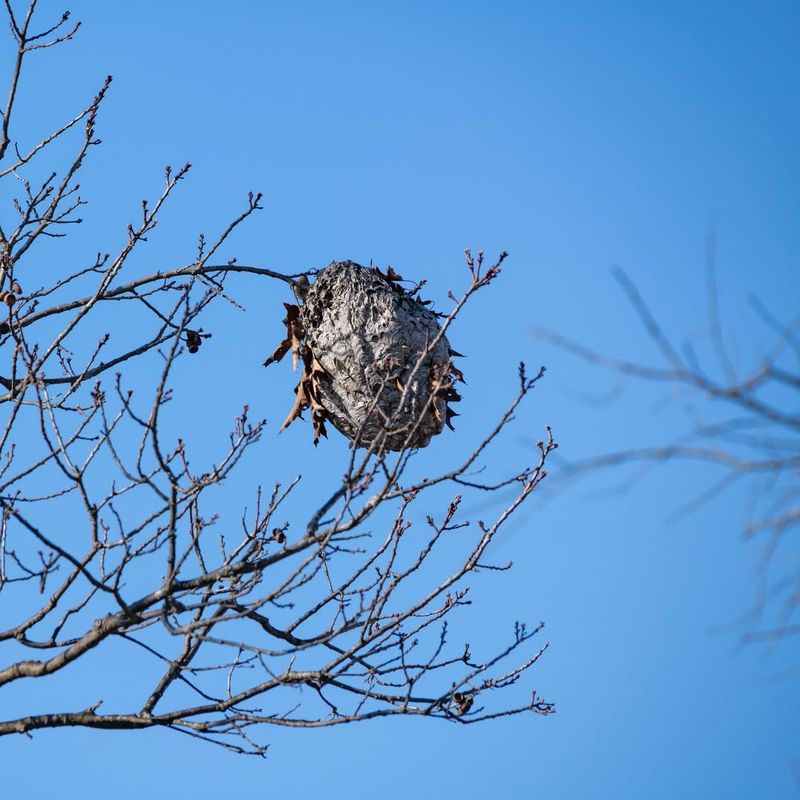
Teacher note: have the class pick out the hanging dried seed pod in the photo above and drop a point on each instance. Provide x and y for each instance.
(376, 364)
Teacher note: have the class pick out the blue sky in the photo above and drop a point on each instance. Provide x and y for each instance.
(578, 136)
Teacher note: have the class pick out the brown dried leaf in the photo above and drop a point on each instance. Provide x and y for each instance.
(317, 370)
(292, 313)
(300, 403)
(280, 351)
(319, 427)
(450, 414)
(297, 345)
(294, 332)
(316, 406)
(465, 705)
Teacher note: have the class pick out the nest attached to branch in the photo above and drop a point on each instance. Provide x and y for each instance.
(376, 364)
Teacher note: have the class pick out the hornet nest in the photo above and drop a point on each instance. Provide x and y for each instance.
(376, 363)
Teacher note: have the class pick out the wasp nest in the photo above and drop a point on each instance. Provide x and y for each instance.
(375, 361)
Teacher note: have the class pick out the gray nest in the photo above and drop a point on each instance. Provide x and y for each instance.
(375, 361)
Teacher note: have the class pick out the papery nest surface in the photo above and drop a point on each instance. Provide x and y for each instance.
(376, 363)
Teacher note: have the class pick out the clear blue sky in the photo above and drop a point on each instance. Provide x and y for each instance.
(577, 136)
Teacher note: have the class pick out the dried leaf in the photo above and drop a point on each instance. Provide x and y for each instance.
(297, 345)
(280, 351)
(300, 403)
(450, 415)
(294, 332)
(292, 313)
(316, 406)
(317, 370)
(319, 427)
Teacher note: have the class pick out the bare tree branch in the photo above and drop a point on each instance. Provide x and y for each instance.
(113, 541)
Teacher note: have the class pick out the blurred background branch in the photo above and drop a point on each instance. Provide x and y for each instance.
(740, 420)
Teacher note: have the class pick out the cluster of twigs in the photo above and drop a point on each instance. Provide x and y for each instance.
(112, 541)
